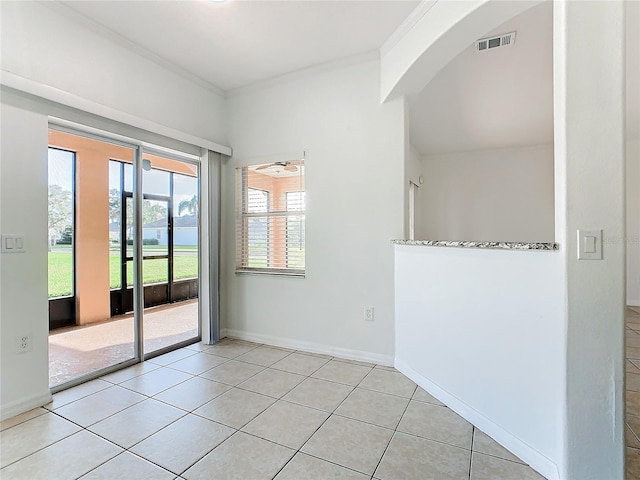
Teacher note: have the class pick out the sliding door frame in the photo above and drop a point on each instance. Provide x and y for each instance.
(138, 170)
(138, 279)
(208, 274)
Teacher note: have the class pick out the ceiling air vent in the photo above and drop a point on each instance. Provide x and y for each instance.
(505, 40)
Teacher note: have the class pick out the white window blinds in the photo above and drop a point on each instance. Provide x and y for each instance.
(270, 218)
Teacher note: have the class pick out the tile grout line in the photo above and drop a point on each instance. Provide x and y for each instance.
(299, 450)
(81, 428)
(261, 412)
(473, 436)
(40, 449)
(191, 411)
(98, 466)
(113, 414)
(46, 410)
(394, 432)
(128, 449)
(207, 453)
(634, 434)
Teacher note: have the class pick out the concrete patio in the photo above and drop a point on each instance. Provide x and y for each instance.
(78, 350)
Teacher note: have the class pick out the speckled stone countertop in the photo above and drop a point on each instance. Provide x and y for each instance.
(490, 245)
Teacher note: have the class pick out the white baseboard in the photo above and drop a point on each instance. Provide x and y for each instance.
(633, 302)
(312, 347)
(529, 455)
(24, 405)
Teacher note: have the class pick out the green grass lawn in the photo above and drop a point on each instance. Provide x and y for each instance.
(60, 274)
(154, 271)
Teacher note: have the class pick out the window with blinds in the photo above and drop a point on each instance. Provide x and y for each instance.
(270, 218)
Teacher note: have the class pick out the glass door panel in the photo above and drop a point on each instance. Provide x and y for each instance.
(155, 181)
(62, 307)
(185, 227)
(170, 251)
(86, 198)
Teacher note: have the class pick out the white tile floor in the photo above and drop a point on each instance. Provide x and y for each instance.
(247, 411)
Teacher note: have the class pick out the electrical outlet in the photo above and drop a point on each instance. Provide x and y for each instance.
(23, 343)
(368, 314)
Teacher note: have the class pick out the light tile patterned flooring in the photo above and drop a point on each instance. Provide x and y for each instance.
(248, 411)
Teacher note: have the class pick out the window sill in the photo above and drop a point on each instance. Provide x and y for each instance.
(272, 273)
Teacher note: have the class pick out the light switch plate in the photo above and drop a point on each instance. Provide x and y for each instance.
(12, 243)
(589, 244)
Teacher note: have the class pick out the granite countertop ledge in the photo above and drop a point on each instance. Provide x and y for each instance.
(489, 245)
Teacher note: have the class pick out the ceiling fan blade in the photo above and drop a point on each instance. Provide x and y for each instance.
(262, 167)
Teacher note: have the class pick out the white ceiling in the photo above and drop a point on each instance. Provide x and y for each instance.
(241, 42)
(504, 97)
(495, 99)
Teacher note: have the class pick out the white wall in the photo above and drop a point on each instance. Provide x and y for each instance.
(633, 222)
(354, 182)
(492, 347)
(589, 175)
(589, 194)
(413, 172)
(39, 44)
(24, 378)
(489, 195)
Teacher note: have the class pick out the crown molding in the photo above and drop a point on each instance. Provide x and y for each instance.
(94, 26)
(405, 27)
(370, 56)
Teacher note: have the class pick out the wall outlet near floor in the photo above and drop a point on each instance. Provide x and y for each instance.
(368, 314)
(23, 343)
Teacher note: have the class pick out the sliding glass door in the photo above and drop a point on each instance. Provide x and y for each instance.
(85, 335)
(102, 317)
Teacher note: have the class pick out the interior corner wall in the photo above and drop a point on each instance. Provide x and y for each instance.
(354, 182)
(42, 44)
(633, 221)
(499, 195)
